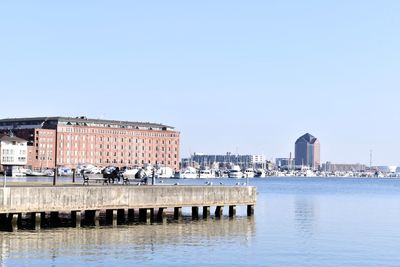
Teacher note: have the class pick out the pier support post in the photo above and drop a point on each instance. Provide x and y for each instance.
(76, 219)
(97, 218)
(13, 222)
(112, 217)
(36, 218)
(195, 213)
(3, 220)
(92, 217)
(250, 210)
(43, 219)
(219, 211)
(54, 219)
(206, 212)
(145, 215)
(161, 216)
(232, 211)
(122, 216)
(19, 221)
(178, 213)
(55, 177)
(131, 215)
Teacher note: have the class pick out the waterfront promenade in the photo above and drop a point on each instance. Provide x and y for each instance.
(85, 203)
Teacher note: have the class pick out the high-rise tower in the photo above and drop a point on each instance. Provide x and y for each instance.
(307, 151)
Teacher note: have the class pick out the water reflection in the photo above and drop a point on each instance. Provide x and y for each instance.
(305, 216)
(135, 242)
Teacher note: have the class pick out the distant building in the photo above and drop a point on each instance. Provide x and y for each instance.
(65, 141)
(307, 151)
(285, 163)
(244, 161)
(13, 154)
(334, 167)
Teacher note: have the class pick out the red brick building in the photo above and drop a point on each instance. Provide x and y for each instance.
(63, 141)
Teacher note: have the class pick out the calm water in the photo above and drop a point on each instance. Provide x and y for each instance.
(298, 222)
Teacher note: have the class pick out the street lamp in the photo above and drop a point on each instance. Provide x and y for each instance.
(5, 179)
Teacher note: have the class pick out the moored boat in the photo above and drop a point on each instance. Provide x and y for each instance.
(188, 172)
(235, 172)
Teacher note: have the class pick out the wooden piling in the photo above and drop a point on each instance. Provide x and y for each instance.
(195, 213)
(145, 215)
(219, 211)
(76, 218)
(13, 222)
(250, 210)
(161, 215)
(36, 219)
(206, 212)
(131, 215)
(178, 213)
(232, 211)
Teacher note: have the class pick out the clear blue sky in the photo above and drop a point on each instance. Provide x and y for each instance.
(239, 76)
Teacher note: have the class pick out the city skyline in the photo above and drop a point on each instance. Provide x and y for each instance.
(231, 77)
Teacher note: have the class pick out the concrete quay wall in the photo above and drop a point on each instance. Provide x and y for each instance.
(48, 199)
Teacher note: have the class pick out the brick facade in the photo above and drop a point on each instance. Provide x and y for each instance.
(72, 141)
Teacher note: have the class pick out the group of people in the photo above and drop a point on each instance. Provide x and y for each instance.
(115, 174)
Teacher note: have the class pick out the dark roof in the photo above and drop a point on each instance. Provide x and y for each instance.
(307, 138)
(81, 121)
(7, 138)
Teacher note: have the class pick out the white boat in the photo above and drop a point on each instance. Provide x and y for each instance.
(34, 173)
(248, 173)
(206, 173)
(64, 171)
(165, 172)
(188, 172)
(224, 174)
(95, 170)
(260, 173)
(235, 172)
(130, 173)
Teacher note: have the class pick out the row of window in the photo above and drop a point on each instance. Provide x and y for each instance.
(113, 161)
(45, 140)
(131, 133)
(44, 133)
(7, 159)
(11, 152)
(44, 145)
(115, 147)
(44, 158)
(115, 154)
(112, 139)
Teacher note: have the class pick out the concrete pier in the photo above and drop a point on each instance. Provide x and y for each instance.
(44, 205)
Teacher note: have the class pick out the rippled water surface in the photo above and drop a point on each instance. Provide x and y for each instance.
(297, 222)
